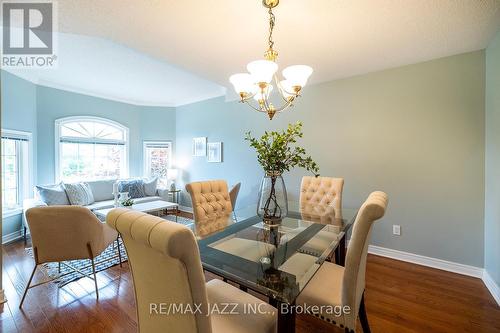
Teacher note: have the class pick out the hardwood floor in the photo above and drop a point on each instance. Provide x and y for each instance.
(400, 297)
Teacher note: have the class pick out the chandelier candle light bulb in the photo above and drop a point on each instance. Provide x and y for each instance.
(257, 83)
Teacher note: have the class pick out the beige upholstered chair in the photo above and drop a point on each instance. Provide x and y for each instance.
(210, 199)
(166, 269)
(321, 198)
(344, 286)
(60, 233)
(233, 195)
(212, 212)
(211, 204)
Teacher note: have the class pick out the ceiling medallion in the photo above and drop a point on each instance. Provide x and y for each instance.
(257, 83)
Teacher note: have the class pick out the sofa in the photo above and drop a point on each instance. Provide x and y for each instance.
(102, 191)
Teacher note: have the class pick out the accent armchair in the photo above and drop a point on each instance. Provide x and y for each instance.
(61, 233)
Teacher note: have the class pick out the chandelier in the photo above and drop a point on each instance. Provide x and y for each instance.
(257, 83)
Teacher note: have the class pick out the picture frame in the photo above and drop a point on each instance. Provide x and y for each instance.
(200, 146)
(214, 152)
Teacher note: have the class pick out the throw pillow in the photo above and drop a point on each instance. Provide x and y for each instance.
(53, 194)
(135, 188)
(79, 194)
(150, 187)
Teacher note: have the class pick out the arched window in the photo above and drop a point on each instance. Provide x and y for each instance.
(90, 148)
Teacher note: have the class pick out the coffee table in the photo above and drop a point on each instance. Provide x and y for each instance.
(145, 207)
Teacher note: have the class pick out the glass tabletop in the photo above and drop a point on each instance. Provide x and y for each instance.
(279, 260)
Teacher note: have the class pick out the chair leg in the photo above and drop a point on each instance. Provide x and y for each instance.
(95, 279)
(362, 316)
(59, 267)
(119, 252)
(91, 256)
(28, 286)
(25, 230)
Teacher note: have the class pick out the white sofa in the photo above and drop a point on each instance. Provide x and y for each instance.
(102, 191)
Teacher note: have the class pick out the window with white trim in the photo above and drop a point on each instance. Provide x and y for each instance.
(90, 148)
(16, 170)
(157, 159)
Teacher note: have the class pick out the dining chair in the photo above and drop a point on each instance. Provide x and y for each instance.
(211, 204)
(212, 209)
(61, 233)
(233, 195)
(334, 285)
(321, 202)
(321, 198)
(166, 269)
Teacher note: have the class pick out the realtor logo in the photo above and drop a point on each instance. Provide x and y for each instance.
(28, 34)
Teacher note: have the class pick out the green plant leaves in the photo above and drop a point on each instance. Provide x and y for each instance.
(276, 150)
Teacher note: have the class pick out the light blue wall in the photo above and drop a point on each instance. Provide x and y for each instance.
(492, 205)
(416, 132)
(18, 113)
(144, 123)
(225, 122)
(32, 108)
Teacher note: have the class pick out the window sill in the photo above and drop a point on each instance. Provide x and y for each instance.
(12, 212)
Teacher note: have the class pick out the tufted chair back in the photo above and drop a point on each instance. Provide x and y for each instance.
(321, 198)
(211, 204)
(166, 269)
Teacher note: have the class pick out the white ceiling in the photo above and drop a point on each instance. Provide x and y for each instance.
(216, 38)
(101, 68)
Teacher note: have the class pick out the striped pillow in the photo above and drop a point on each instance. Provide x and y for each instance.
(79, 194)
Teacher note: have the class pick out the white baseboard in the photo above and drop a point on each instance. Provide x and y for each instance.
(492, 286)
(427, 261)
(186, 209)
(2, 296)
(12, 237)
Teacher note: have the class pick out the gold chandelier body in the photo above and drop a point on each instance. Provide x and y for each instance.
(257, 85)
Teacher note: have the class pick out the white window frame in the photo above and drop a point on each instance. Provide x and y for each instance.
(25, 190)
(62, 121)
(145, 145)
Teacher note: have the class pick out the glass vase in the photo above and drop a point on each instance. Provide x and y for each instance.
(273, 204)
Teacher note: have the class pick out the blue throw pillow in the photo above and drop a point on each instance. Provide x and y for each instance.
(135, 188)
(53, 194)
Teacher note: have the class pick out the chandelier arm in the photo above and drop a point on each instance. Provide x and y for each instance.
(248, 97)
(266, 104)
(281, 89)
(286, 105)
(253, 107)
(267, 107)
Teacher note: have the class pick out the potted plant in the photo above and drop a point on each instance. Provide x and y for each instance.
(277, 152)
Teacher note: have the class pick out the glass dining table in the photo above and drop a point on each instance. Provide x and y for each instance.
(275, 261)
